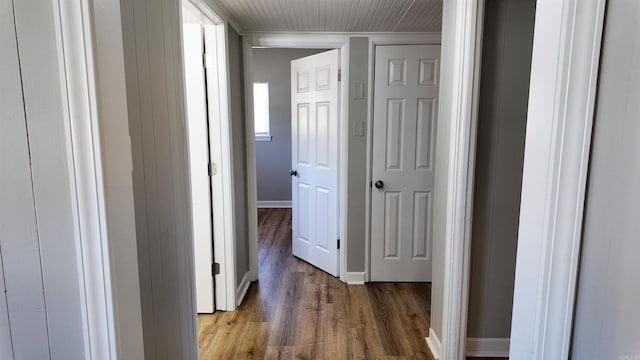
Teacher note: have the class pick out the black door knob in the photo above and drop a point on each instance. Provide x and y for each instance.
(293, 172)
(379, 184)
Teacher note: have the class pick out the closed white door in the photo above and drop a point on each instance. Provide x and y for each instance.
(196, 103)
(314, 174)
(404, 128)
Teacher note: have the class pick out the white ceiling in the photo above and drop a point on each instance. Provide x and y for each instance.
(335, 15)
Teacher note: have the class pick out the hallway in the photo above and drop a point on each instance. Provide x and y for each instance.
(297, 311)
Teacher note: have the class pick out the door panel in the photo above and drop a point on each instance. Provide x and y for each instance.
(196, 104)
(314, 105)
(405, 109)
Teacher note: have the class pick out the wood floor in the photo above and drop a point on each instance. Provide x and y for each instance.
(296, 311)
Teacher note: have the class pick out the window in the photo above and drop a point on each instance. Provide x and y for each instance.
(261, 111)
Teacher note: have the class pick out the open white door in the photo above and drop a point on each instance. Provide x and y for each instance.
(404, 128)
(196, 103)
(314, 180)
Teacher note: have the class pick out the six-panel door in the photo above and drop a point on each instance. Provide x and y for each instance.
(404, 129)
(314, 117)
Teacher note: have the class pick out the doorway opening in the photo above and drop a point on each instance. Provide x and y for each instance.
(277, 137)
(281, 184)
(208, 135)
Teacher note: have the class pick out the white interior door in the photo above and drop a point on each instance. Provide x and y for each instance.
(196, 103)
(314, 180)
(404, 128)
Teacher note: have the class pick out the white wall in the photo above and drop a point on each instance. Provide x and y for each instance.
(153, 64)
(41, 306)
(607, 316)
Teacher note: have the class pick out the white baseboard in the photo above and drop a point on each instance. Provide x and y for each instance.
(487, 347)
(274, 204)
(355, 278)
(433, 341)
(243, 287)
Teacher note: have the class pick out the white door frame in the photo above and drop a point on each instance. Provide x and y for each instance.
(378, 40)
(220, 153)
(301, 41)
(466, 37)
(98, 143)
(566, 58)
(565, 62)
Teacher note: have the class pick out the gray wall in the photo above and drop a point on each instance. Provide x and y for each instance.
(40, 296)
(273, 158)
(357, 167)
(607, 316)
(504, 94)
(153, 69)
(238, 146)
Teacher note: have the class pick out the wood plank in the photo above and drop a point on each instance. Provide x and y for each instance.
(254, 341)
(392, 334)
(310, 335)
(25, 307)
(6, 347)
(360, 311)
(284, 325)
(279, 353)
(150, 30)
(50, 162)
(335, 320)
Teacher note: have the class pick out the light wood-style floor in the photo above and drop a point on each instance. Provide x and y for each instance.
(296, 311)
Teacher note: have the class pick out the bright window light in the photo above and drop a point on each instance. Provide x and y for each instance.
(261, 111)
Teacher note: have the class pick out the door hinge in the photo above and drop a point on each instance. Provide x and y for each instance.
(338, 244)
(215, 269)
(339, 75)
(208, 61)
(212, 169)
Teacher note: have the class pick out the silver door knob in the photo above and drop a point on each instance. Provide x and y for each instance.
(293, 172)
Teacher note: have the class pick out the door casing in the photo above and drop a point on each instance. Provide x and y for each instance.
(300, 41)
(320, 41)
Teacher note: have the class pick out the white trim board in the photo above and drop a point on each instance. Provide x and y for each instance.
(98, 143)
(466, 35)
(274, 204)
(434, 344)
(224, 251)
(243, 287)
(328, 39)
(564, 71)
(78, 85)
(355, 278)
(487, 347)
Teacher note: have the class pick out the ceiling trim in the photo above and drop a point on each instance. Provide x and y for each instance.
(209, 7)
(329, 39)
